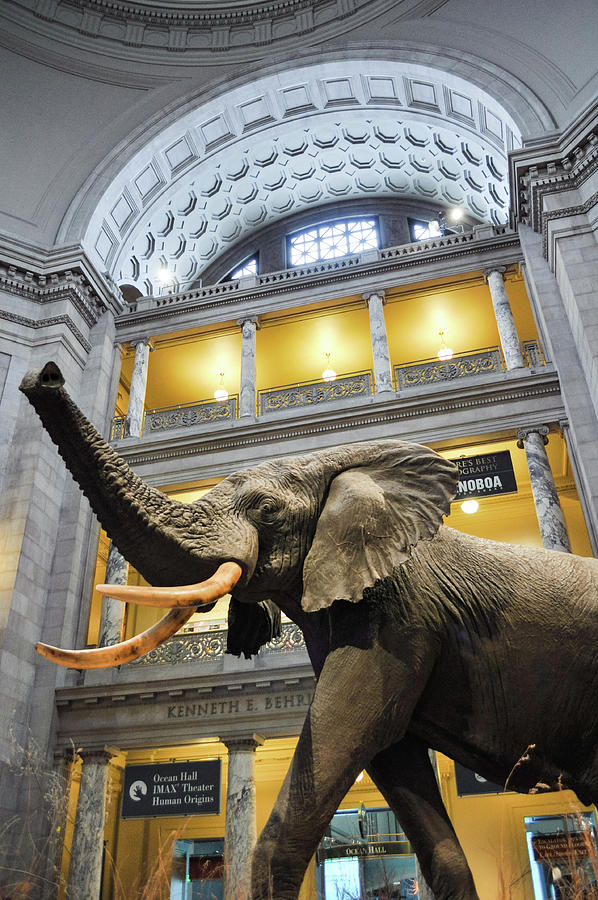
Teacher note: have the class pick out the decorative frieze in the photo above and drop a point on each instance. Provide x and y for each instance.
(207, 412)
(462, 365)
(315, 392)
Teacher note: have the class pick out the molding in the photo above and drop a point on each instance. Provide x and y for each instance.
(563, 163)
(43, 323)
(150, 312)
(408, 406)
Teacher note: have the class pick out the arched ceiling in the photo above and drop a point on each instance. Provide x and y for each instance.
(305, 137)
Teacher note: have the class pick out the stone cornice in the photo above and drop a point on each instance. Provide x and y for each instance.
(415, 414)
(47, 322)
(561, 164)
(149, 313)
(45, 277)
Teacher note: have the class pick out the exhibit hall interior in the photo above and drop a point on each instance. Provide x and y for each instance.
(254, 230)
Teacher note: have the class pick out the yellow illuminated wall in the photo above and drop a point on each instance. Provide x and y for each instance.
(293, 349)
(461, 308)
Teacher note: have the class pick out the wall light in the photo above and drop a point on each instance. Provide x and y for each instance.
(328, 374)
(444, 353)
(470, 506)
(221, 394)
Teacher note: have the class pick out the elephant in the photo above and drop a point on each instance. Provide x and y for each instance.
(420, 636)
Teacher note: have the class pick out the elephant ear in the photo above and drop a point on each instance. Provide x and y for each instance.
(251, 625)
(374, 515)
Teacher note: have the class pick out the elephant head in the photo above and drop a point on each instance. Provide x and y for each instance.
(314, 528)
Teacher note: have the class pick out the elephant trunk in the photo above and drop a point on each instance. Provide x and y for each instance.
(150, 530)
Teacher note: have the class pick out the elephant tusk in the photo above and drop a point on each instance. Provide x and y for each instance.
(223, 580)
(117, 654)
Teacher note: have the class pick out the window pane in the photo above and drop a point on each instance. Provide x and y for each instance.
(249, 267)
(332, 240)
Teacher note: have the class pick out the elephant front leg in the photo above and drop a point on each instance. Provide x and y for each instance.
(404, 775)
(363, 701)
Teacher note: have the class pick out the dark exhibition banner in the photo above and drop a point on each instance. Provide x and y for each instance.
(485, 475)
(470, 783)
(172, 789)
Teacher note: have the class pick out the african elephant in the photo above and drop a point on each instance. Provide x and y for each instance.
(420, 636)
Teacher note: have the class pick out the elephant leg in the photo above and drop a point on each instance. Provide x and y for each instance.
(362, 702)
(404, 775)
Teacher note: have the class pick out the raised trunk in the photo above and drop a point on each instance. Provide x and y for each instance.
(147, 527)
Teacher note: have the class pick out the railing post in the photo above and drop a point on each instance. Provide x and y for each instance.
(504, 317)
(134, 420)
(382, 368)
(249, 327)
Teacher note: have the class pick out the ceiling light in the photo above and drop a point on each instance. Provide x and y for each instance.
(470, 506)
(444, 353)
(328, 374)
(456, 214)
(165, 276)
(221, 394)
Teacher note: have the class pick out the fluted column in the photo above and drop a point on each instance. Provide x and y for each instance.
(507, 331)
(85, 870)
(134, 419)
(548, 509)
(240, 828)
(113, 611)
(382, 368)
(249, 327)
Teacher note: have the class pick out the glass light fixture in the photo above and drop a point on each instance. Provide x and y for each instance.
(456, 214)
(164, 275)
(221, 394)
(470, 506)
(444, 353)
(328, 374)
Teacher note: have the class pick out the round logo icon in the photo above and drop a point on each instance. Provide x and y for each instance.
(138, 790)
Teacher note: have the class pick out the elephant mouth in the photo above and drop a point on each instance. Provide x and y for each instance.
(182, 601)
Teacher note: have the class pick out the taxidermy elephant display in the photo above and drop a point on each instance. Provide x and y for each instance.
(420, 636)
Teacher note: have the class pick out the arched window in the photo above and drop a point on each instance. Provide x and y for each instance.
(331, 240)
(247, 267)
(422, 231)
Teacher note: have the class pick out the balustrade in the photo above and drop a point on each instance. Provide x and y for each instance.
(311, 393)
(207, 645)
(206, 412)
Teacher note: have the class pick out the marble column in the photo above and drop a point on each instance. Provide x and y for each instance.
(113, 611)
(382, 368)
(85, 870)
(62, 778)
(249, 327)
(548, 509)
(507, 331)
(134, 419)
(240, 828)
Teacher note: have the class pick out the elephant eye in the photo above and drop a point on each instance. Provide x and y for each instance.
(264, 510)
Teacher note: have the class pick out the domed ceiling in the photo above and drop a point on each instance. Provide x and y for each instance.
(296, 140)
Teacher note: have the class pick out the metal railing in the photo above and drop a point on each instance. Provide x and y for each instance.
(461, 365)
(117, 431)
(311, 393)
(208, 645)
(204, 412)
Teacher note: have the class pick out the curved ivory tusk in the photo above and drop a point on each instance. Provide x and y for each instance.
(208, 591)
(115, 655)
(221, 582)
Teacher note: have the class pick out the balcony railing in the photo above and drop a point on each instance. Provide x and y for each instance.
(207, 645)
(205, 412)
(306, 394)
(311, 393)
(462, 365)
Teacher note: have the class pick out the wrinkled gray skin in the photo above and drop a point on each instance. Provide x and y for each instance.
(420, 636)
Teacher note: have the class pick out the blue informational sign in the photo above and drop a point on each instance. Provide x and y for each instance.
(172, 789)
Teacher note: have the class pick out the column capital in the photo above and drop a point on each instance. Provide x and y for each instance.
(143, 341)
(490, 269)
(252, 319)
(248, 742)
(374, 293)
(523, 433)
(102, 755)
